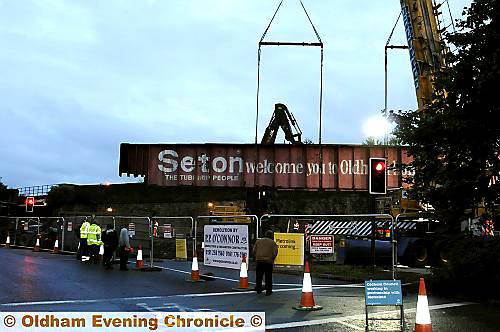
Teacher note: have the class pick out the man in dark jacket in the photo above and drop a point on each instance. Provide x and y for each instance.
(265, 251)
(110, 241)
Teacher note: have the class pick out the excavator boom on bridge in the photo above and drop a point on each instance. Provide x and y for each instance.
(283, 118)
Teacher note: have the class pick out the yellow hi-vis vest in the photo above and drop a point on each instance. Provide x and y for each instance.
(84, 230)
(94, 237)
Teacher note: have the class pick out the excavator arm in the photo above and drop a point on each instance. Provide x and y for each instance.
(283, 118)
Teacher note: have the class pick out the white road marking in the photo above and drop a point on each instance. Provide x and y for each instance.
(20, 304)
(342, 320)
(189, 272)
(274, 284)
(249, 291)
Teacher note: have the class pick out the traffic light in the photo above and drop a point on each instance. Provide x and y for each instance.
(377, 176)
(30, 203)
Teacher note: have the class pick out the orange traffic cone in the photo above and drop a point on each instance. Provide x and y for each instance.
(139, 264)
(7, 242)
(307, 299)
(423, 319)
(195, 273)
(243, 285)
(37, 245)
(56, 247)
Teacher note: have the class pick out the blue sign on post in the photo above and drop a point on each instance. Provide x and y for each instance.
(383, 292)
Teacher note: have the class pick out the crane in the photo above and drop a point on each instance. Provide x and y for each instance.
(283, 118)
(427, 53)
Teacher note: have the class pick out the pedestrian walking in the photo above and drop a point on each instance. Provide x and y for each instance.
(94, 240)
(110, 242)
(124, 248)
(265, 251)
(83, 250)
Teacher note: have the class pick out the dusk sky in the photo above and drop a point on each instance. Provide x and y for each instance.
(80, 77)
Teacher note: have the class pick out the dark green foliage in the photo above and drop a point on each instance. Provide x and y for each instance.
(455, 142)
(391, 141)
(4, 194)
(473, 270)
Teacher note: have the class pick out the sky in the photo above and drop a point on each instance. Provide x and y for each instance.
(78, 78)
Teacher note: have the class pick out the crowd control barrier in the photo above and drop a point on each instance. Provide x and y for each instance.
(356, 239)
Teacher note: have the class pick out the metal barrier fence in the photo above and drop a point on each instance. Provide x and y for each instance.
(139, 231)
(157, 235)
(71, 232)
(50, 230)
(356, 230)
(24, 231)
(165, 232)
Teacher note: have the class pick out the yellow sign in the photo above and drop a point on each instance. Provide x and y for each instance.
(290, 248)
(180, 249)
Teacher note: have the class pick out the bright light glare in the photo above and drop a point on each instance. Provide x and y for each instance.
(376, 126)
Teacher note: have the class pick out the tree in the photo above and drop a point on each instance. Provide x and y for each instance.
(455, 141)
(391, 141)
(4, 194)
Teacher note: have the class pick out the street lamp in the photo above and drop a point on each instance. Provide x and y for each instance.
(376, 127)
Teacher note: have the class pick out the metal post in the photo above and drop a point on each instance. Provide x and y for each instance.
(259, 224)
(366, 317)
(62, 233)
(385, 81)
(396, 239)
(320, 119)
(393, 251)
(152, 243)
(373, 248)
(258, 88)
(15, 233)
(195, 233)
(402, 316)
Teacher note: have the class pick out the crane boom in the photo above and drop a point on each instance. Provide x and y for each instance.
(427, 53)
(283, 118)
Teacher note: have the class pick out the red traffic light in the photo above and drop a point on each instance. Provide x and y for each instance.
(380, 166)
(29, 203)
(377, 182)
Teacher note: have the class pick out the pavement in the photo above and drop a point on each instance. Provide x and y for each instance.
(45, 282)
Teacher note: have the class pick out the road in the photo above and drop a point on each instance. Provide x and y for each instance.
(45, 282)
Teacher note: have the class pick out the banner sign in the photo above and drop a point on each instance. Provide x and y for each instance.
(290, 248)
(383, 292)
(340, 167)
(167, 231)
(225, 245)
(180, 249)
(321, 244)
(131, 229)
